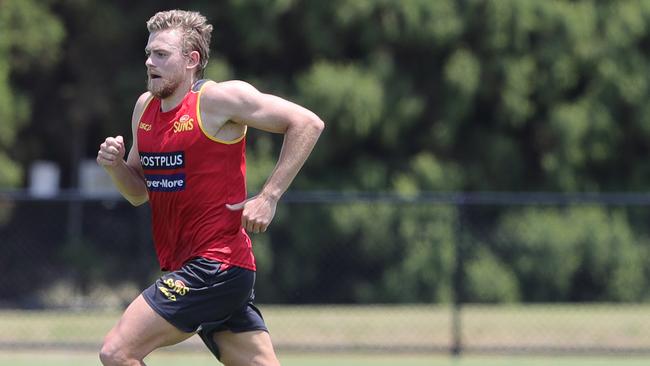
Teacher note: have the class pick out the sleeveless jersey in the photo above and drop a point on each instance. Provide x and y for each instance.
(190, 176)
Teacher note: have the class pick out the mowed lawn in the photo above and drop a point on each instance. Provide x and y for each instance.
(409, 335)
(404, 328)
(166, 358)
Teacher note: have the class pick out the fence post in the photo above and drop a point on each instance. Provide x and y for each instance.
(457, 284)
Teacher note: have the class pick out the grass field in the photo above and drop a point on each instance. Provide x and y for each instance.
(420, 328)
(163, 358)
(348, 335)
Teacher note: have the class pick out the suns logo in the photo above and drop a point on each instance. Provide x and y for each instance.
(144, 126)
(167, 293)
(177, 286)
(185, 123)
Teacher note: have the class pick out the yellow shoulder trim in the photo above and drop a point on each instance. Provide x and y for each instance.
(144, 108)
(146, 105)
(135, 123)
(198, 117)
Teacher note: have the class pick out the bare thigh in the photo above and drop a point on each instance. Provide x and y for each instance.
(139, 331)
(252, 348)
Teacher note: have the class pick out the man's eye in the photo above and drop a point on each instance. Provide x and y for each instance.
(160, 54)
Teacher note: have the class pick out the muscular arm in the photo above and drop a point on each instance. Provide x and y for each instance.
(126, 175)
(241, 103)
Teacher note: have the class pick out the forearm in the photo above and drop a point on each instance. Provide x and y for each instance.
(299, 141)
(128, 182)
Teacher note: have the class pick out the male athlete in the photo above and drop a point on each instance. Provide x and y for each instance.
(188, 161)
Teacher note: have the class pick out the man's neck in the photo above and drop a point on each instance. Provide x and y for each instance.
(176, 98)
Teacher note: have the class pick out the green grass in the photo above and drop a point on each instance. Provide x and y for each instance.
(165, 358)
(339, 328)
(415, 327)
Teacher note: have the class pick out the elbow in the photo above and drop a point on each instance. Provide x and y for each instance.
(310, 125)
(320, 125)
(317, 125)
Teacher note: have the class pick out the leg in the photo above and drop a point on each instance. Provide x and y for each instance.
(252, 348)
(138, 332)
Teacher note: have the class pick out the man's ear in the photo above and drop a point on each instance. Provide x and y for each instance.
(193, 60)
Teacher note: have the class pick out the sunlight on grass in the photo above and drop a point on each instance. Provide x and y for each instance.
(172, 358)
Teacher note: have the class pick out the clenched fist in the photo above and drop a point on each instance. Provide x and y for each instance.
(257, 212)
(111, 151)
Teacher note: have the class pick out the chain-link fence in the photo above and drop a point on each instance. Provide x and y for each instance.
(369, 272)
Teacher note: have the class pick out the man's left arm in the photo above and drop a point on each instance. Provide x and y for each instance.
(245, 105)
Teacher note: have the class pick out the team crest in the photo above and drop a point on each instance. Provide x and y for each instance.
(185, 123)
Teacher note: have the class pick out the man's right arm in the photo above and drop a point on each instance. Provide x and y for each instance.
(127, 175)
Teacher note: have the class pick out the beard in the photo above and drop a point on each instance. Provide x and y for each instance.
(162, 88)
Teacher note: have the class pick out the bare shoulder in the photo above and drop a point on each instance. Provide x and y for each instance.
(140, 104)
(231, 86)
(230, 92)
(243, 104)
(142, 99)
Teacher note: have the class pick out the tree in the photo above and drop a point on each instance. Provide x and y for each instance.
(31, 40)
(417, 96)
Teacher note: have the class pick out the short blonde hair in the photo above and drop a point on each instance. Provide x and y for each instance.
(195, 30)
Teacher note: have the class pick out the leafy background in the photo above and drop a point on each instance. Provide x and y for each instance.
(418, 96)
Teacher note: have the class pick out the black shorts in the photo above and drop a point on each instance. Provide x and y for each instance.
(202, 298)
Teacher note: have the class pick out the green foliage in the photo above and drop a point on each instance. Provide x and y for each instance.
(33, 34)
(259, 161)
(426, 240)
(425, 173)
(489, 280)
(11, 172)
(420, 95)
(556, 89)
(413, 247)
(348, 95)
(578, 253)
(30, 38)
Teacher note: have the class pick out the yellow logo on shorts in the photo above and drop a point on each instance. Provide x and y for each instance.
(167, 293)
(178, 287)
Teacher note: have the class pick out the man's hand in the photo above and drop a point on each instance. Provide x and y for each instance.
(111, 151)
(258, 211)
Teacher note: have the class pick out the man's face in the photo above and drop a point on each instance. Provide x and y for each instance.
(165, 63)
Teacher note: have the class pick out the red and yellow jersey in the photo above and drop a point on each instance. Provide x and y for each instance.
(190, 177)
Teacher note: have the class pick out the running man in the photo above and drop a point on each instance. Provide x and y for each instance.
(188, 161)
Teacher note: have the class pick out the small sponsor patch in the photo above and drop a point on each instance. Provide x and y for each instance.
(165, 182)
(144, 126)
(168, 160)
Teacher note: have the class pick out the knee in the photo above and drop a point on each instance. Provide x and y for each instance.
(111, 354)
